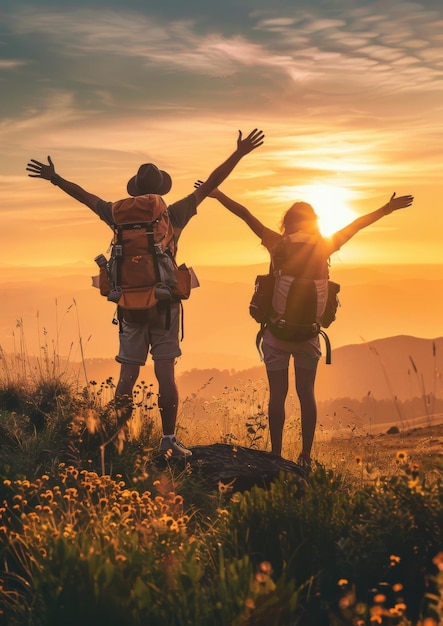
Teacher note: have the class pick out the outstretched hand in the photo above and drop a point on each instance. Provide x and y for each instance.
(401, 202)
(252, 141)
(40, 170)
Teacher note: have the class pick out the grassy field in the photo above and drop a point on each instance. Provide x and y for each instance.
(94, 530)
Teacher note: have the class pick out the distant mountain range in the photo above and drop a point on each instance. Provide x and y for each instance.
(400, 367)
(56, 309)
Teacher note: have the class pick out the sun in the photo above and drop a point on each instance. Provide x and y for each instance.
(330, 204)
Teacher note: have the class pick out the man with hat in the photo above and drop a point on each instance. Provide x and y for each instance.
(149, 179)
(139, 338)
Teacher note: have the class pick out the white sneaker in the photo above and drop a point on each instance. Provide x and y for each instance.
(172, 447)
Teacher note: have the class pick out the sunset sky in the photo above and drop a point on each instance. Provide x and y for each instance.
(348, 92)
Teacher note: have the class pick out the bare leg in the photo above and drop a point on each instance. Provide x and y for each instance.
(123, 394)
(128, 376)
(304, 384)
(278, 390)
(167, 394)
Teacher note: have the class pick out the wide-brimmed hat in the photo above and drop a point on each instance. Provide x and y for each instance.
(149, 179)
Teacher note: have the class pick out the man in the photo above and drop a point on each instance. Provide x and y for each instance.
(137, 339)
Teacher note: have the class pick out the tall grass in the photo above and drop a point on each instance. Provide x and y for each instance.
(95, 530)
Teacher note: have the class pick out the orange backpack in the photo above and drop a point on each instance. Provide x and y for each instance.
(141, 270)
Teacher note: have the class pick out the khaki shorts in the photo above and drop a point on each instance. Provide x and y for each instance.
(277, 353)
(138, 339)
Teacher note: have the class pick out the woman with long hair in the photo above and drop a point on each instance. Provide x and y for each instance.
(310, 260)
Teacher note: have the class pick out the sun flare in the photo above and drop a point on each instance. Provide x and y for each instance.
(330, 203)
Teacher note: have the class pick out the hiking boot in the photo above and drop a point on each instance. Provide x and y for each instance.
(172, 447)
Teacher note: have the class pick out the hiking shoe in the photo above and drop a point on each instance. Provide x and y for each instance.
(172, 447)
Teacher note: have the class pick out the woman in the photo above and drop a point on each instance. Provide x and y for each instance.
(300, 223)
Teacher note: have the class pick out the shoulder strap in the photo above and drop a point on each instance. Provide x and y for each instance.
(118, 254)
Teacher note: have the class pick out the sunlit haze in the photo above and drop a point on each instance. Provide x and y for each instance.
(349, 95)
(331, 204)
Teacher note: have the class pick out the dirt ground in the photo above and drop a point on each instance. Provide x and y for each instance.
(422, 442)
(417, 445)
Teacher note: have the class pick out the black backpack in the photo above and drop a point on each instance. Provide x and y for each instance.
(285, 299)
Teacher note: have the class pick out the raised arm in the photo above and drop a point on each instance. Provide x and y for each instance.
(237, 209)
(394, 204)
(244, 146)
(47, 172)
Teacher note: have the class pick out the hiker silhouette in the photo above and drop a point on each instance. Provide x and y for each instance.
(139, 337)
(300, 224)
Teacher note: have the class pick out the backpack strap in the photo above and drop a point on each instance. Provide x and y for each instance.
(261, 332)
(118, 254)
(328, 346)
(118, 319)
(259, 340)
(152, 252)
(182, 320)
(166, 304)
